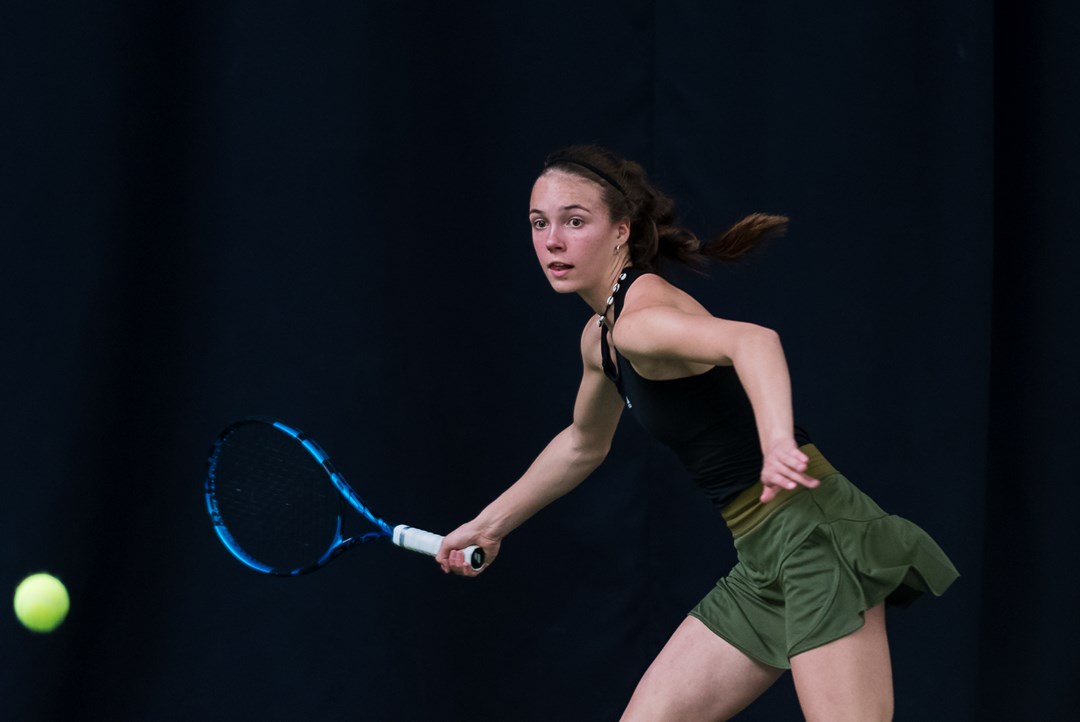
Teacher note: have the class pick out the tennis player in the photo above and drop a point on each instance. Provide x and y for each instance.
(817, 559)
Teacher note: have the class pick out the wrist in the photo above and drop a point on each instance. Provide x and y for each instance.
(771, 442)
(491, 525)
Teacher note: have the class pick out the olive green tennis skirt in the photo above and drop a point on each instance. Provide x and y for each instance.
(811, 561)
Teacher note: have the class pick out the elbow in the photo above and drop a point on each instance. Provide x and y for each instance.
(766, 335)
(599, 453)
(592, 455)
(590, 450)
(754, 341)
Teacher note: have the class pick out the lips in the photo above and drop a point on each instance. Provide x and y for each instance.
(558, 269)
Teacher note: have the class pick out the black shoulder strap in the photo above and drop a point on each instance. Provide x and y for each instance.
(610, 369)
(618, 294)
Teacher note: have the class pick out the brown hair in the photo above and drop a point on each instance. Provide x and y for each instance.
(654, 235)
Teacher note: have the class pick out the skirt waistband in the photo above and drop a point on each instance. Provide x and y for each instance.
(746, 511)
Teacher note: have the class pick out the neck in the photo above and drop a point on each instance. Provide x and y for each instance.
(597, 297)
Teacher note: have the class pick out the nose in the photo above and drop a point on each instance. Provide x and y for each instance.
(553, 241)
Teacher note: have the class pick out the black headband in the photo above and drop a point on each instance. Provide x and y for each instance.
(557, 159)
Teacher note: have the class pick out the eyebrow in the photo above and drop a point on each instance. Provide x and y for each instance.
(572, 206)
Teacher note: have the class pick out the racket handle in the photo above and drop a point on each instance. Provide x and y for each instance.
(425, 542)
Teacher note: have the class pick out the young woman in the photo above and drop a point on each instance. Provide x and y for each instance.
(817, 558)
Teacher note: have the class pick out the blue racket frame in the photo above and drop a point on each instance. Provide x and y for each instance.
(338, 543)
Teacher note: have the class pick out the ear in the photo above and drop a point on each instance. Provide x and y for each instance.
(622, 230)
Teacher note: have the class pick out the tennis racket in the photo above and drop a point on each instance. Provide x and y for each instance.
(280, 507)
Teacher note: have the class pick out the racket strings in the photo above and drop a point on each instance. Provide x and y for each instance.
(275, 498)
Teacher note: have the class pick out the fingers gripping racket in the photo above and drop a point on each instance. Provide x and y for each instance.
(280, 507)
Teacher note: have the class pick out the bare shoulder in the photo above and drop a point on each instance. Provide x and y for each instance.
(653, 328)
(652, 296)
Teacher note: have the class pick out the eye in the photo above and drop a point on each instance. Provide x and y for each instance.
(575, 222)
(539, 224)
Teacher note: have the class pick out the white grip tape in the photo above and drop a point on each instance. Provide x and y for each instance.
(417, 540)
(425, 542)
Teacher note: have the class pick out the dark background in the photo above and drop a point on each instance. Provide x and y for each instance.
(318, 211)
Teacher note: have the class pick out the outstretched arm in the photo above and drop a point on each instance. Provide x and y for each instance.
(563, 464)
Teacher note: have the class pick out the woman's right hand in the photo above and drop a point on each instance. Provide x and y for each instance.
(451, 557)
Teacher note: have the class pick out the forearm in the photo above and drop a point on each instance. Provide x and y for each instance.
(762, 369)
(563, 464)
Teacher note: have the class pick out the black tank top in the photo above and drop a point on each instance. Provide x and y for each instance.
(707, 420)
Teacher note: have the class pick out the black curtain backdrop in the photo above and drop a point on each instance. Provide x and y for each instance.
(317, 211)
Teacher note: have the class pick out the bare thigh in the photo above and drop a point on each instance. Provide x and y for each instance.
(698, 676)
(850, 678)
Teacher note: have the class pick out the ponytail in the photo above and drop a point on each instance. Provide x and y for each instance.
(682, 246)
(745, 236)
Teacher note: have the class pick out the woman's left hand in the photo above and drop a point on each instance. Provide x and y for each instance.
(784, 468)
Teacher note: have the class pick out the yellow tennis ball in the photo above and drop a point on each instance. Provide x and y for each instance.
(41, 602)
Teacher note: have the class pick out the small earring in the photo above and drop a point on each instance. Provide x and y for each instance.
(617, 247)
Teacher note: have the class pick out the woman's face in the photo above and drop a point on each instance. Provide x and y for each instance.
(573, 234)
